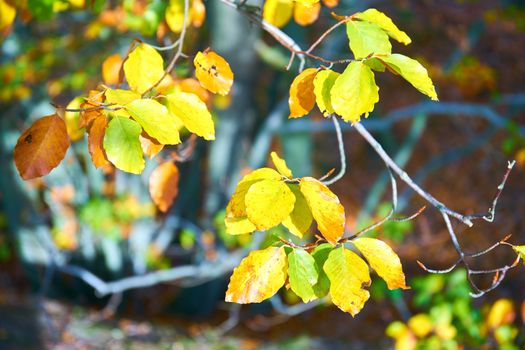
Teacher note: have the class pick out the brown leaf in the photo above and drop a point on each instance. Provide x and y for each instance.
(164, 185)
(86, 117)
(41, 147)
(96, 133)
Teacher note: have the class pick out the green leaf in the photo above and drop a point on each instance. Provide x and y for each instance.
(348, 275)
(155, 120)
(375, 64)
(413, 72)
(320, 254)
(355, 92)
(302, 273)
(385, 23)
(520, 250)
(122, 145)
(120, 97)
(323, 83)
(367, 38)
(193, 113)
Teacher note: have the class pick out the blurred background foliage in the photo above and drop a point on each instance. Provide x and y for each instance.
(106, 223)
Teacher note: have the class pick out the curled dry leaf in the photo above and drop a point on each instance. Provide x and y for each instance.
(41, 147)
(213, 72)
(164, 185)
(302, 97)
(258, 277)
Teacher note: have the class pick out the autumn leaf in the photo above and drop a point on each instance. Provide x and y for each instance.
(520, 250)
(175, 15)
(306, 15)
(111, 69)
(96, 133)
(238, 225)
(7, 14)
(300, 219)
(302, 273)
(326, 208)
(72, 119)
(367, 38)
(122, 145)
(193, 86)
(193, 113)
(413, 72)
(302, 97)
(268, 203)
(41, 147)
(330, 3)
(320, 255)
(354, 92)
(91, 112)
(155, 120)
(150, 146)
(348, 275)
(198, 13)
(383, 260)
(385, 23)
(164, 185)
(258, 277)
(143, 68)
(213, 72)
(278, 12)
(323, 83)
(280, 165)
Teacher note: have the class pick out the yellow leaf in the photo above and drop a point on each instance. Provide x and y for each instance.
(302, 97)
(354, 92)
(111, 69)
(7, 14)
(348, 275)
(305, 15)
(326, 208)
(213, 72)
(520, 250)
(258, 277)
(143, 68)
(175, 15)
(119, 98)
(307, 3)
(323, 83)
(421, 325)
(72, 119)
(268, 203)
(383, 260)
(280, 165)
(413, 72)
(238, 226)
(237, 204)
(385, 23)
(278, 12)
(501, 313)
(155, 120)
(193, 113)
(300, 219)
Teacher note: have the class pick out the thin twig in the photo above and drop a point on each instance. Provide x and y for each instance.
(342, 154)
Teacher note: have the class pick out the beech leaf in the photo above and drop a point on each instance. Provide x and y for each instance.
(383, 260)
(302, 273)
(111, 69)
(143, 68)
(300, 219)
(193, 113)
(258, 277)
(213, 72)
(302, 97)
(383, 21)
(367, 38)
(323, 83)
(348, 275)
(280, 165)
(41, 147)
(278, 12)
(164, 185)
(304, 14)
(122, 145)
(96, 133)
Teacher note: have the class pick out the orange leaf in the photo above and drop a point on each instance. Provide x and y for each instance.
(41, 147)
(150, 146)
(111, 69)
(96, 134)
(330, 3)
(302, 97)
(305, 15)
(193, 86)
(164, 185)
(198, 13)
(86, 117)
(213, 72)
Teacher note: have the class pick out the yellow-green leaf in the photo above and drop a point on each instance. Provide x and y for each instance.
(193, 113)
(302, 97)
(143, 68)
(237, 204)
(300, 219)
(323, 83)
(367, 38)
(155, 120)
(280, 165)
(413, 72)
(122, 145)
(72, 119)
(302, 273)
(258, 277)
(348, 275)
(383, 21)
(120, 98)
(326, 208)
(268, 203)
(320, 254)
(383, 260)
(355, 92)
(278, 12)
(520, 250)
